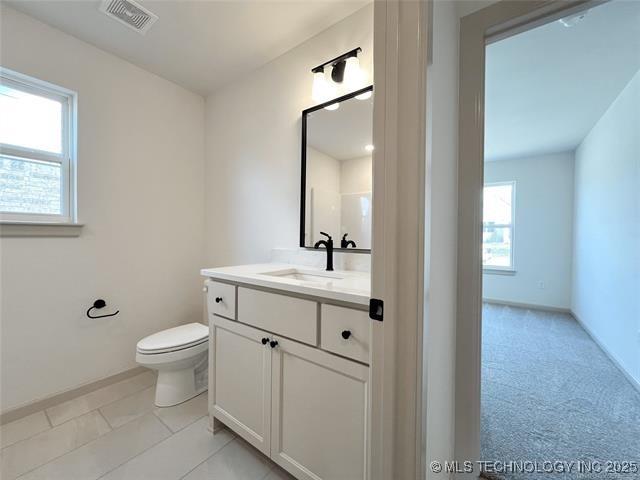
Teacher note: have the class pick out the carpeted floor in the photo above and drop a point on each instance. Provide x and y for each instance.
(550, 393)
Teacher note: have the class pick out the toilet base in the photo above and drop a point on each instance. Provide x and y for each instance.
(177, 386)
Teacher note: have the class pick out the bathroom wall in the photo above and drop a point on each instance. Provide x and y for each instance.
(253, 146)
(356, 184)
(606, 262)
(322, 195)
(356, 175)
(542, 244)
(141, 198)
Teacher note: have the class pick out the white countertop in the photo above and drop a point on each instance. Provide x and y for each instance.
(342, 285)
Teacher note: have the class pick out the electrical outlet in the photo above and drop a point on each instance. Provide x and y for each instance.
(541, 285)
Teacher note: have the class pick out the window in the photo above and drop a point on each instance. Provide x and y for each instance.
(497, 226)
(37, 146)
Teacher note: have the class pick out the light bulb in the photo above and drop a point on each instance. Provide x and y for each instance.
(369, 148)
(365, 95)
(353, 77)
(320, 91)
(333, 106)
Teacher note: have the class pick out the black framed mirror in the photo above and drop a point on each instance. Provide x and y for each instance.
(336, 174)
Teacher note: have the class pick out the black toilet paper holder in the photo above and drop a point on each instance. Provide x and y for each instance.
(100, 303)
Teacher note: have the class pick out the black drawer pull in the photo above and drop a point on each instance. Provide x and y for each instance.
(265, 340)
(218, 299)
(346, 334)
(273, 343)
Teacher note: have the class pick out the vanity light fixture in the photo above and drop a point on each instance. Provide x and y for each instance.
(321, 90)
(369, 148)
(344, 68)
(353, 76)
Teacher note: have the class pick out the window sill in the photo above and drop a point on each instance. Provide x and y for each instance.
(498, 271)
(40, 229)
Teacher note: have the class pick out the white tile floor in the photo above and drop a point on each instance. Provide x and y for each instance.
(116, 433)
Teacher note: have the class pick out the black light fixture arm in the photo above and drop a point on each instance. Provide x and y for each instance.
(338, 59)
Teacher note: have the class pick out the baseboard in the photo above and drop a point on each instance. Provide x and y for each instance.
(610, 356)
(44, 403)
(531, 306)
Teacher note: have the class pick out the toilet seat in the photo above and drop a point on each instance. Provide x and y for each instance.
(174, 339)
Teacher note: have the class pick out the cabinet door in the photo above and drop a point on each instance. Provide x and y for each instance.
(319, 419)
(241, 387)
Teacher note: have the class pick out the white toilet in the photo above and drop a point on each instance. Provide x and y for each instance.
(180, 356)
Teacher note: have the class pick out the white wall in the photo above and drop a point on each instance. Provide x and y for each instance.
(543, 234)
(441, 238)
(356, 185)
(323, 206)
(606, 266)
(467, 7)
(356, 175)
(141, 198)
(253, 146)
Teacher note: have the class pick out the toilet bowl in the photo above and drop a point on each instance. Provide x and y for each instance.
(180, 356)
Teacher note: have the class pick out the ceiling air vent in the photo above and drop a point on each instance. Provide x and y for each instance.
(132, 14)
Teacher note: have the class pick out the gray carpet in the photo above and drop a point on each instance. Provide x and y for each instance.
(550, 393)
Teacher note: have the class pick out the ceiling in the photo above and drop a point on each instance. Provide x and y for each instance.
(343, 133)
(546, 88)
(200, 45)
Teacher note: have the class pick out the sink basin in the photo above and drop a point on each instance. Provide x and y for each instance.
(305, 275)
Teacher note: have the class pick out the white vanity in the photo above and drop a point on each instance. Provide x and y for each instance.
(289, 365)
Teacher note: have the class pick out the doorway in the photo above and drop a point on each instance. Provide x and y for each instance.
(547, 334)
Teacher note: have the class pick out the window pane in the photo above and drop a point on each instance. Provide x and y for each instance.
(496, 246)
(497, 204)
(30, 121)
(30, 187)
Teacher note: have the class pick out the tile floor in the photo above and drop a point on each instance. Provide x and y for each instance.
(116, 433)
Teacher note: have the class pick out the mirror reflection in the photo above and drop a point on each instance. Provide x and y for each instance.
(337, 164)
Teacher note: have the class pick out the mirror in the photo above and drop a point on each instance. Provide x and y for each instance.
(336, 191)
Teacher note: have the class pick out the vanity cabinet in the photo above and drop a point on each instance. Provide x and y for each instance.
(275, 384)
(221, 299)
(241, 390)
(291, 317)
(319, 413)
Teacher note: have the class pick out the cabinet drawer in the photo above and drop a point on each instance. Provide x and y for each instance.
(287, 316)
(355, 324)
(221, 299)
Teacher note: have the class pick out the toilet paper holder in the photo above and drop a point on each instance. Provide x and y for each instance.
(100, 303)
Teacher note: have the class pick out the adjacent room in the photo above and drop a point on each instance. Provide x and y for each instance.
(561, 242)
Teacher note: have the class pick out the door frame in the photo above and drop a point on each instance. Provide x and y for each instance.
(496, 22)
(401, 40)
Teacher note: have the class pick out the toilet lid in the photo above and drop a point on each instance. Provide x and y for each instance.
(174, 338)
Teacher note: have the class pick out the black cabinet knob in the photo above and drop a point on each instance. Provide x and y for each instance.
(265, 341)
(218, 299)
(273, 343)
(346, 334)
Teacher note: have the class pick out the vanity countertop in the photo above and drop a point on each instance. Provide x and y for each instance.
(342, 285)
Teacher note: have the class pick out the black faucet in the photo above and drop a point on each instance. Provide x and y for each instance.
(344, 243)
(329, 246)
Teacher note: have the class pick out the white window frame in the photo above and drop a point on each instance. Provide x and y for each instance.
(66, 159)
(511, 269)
